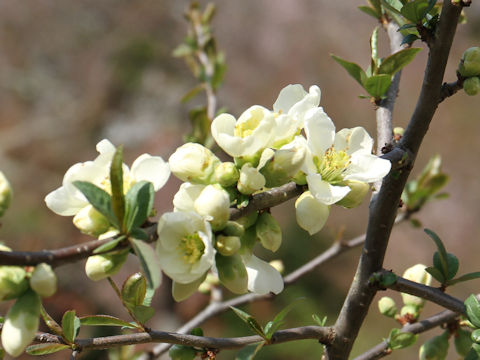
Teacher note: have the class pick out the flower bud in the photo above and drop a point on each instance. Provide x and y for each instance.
(194, 163)
(99, 267)
(435, 349)
(21, 323)
(387, 306)
(13, 281)
(398, 131)
(418, 274)
(226, 174)
(182, 352)
(471, 86)
(412, 311)
(43, 280)
(268, 231)
(134, 290)
(213, 204)
(470, 62)
(89, 221)
(228, 245)
(250, 180)
(6, 193)
(233, 228)
(475, 336)
(358, 191)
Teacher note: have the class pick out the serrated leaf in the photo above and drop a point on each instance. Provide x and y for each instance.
(143, 313)
(249, 351)
(99, 199)
(466, 277)
(443, 259)
(70, 325)
(400, 340)
(377, 85)
(353, 69)
(250, 321)
(148, 262)
(369, 11)
(105, 320)
(395, 62)
(436, 273)
(116, 181)
(138, 204)
(192, 93)
(415, 10)
(473, 310)
(44, 349)
(109, 245)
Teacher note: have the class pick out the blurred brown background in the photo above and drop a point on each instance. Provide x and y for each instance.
(74, 72)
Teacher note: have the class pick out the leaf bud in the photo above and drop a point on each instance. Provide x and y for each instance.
(134, 290)
(6, 194)
(226, 174)
(99, 267)
(194, 163)
(44, 280)
(470, 63)
(387, 306)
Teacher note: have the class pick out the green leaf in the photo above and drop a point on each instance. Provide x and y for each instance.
(143, 313)
(134, 289)
(400, 340)
(473, 310)
(442, 253)
(249, 351)
(377, 85)
(44, 349)
(318, 321)
(139, 234)
(50, 322)
(393, 5)
(219, 71)
(452, 264)
(369, 11)
(250, 321)
(105, 320)
(374, 50)
(353, 69)
(192, 93)
(415, 10)
(277, 321)
(100, 200)
(474, 353)
(395, 62)
(436, 273)
(183, 50)
(148, 262)
(138, 204)
(466, 277)
(409, 39)
(70, 325)
(116, 181)
(148, 296)
(109, 245)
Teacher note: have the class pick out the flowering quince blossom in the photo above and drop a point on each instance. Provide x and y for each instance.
(67, 200)
(332, 161)
(258, 127)
(263, 278)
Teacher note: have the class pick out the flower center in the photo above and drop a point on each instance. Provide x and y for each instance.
(246, 127)
(332, 165)
(191, 247)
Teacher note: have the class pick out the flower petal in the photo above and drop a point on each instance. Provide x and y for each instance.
(263, 278)
(185, 197)
(182, 291)
(311, 214)
(367, 168)
(61, 203)
(325, 192)
(353, 140)
(320, 131)
(151, 168)
(288, 96)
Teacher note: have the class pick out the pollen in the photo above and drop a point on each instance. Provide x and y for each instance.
(191, 248)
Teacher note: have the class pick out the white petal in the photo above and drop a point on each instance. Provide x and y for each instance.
(61, 203)
(185, 197)
(353, 140)
(263, 278)
(311, 214)
(288, 96)
(106, 150)
(88, 171)
(151, 168)
(267, 154)
(310, 101)
(320, 131)
(367, 168)
(325, 192)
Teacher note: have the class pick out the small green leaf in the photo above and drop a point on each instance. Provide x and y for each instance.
(249, 351)
(250, 321)
(443, 258)
(395, 62)
(452, 264)
(466, 277)
(473, 310)
(105, 320)
(410, 39)
(387, 279)
(318, 321)
(436, 273)
(219, 71)
(109, 245)
(353, 69)
(44, 349)
(148, 262)
(415, 10)
(393, 5)
(197, 331)
(416, 223)
(70, 325)
(377, 85)
(183, 50)
(192, 93)
(99, 198)
(50, 322)
(462, 342)
(143, 313)
(275, 324)
(138, 204)
(369, 11)
(400, 340)
(116, 181)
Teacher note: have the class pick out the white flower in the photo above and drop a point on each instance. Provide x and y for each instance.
(194, 163)
(250, 180)
(67, 200)
(418, 274)
(184, 246)
(209, 201)
(305, 206)
(263, 278)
